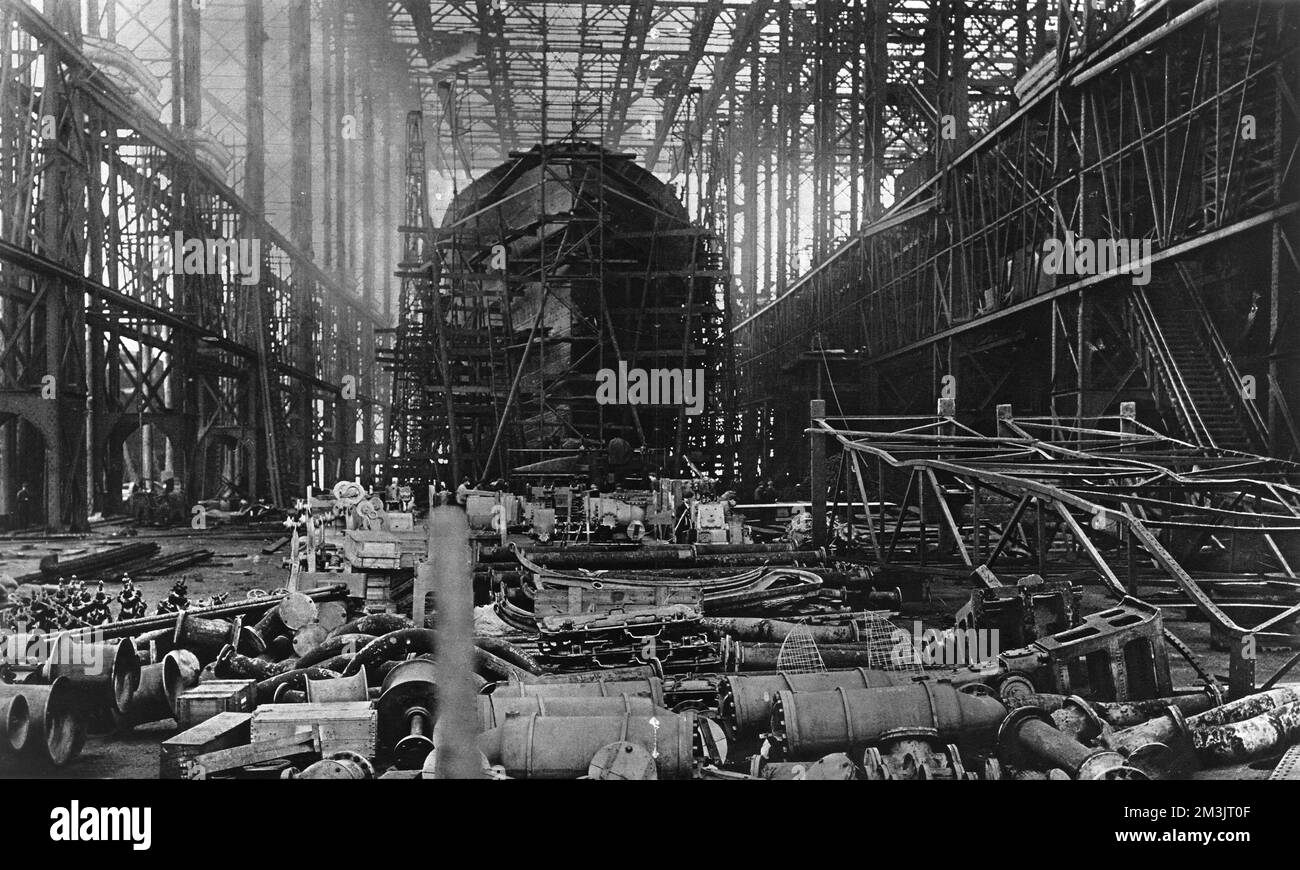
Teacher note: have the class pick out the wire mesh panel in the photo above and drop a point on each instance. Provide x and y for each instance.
(889, 647)
(799, 653)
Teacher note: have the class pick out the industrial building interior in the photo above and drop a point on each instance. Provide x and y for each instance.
(660, 389)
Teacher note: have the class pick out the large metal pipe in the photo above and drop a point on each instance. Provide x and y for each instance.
(647, 687)
(1256, 737)
(494, 709)
(180, 672)
(808, 725)
(15, 722)
(290, 613)
(208, 636)
(56, 729)
(1085, 720)
(1173, 725)
(341, 644)
(101, 674)
(562, 747)
(377, 624)
(232, 665)
(745, 702)
(767, 630)
(1028, 733)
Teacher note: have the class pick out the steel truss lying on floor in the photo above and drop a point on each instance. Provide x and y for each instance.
(1150, 514)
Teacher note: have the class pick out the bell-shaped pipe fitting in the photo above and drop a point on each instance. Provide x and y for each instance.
(15, 722)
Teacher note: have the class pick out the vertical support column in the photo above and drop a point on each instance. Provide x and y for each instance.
(817, 473)
(300, 212)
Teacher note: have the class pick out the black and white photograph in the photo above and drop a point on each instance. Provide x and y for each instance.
(728, 390)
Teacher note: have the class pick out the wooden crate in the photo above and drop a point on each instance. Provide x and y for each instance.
(372, 549)
(216, 696)
(351, 725)
(222, 731)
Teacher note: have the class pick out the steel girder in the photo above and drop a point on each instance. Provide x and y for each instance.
(149, 353)
(1148, 513)
(1104, 149)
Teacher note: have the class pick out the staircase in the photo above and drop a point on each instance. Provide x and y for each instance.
(1191, 367)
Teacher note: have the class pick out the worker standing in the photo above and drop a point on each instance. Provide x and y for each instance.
(24, 507)
(463, 491)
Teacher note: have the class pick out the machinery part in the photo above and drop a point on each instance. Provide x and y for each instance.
(488, 770)
(291, 613)
(650, 687)
(232, 665)
(376, 625)
(408, 703)
(836, 767)
(56, 730)
(340, 765)
(102, 675)
(776, 630)
(180, 672)
(906, 758)
(494, 709)
(15, 721)
(622, 760)
(264, 692)
(209, 635)
(1173, 727)
(338, 689)
(1027, 735)
(811, 724)
(339, 644)
(285, 694)
(1014, 686)
(280, 647)
(562, 747)
(1256, 737)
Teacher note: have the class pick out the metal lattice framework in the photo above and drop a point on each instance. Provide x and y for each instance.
(113, 364)
(1151, 516)
(1178, 129)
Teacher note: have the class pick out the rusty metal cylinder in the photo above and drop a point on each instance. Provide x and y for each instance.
(1086, 720)
(180, 672)
(208, 636)
(754, 629)
(1169, 728)
(807, 725)
(493, 710)
(15, 722)
(562, 747)
(1027, 733)
(648, 687)
(1256, 737)
(102, 675)
(56, 729)
(746, 701)
(234, 665)
(290, 613)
